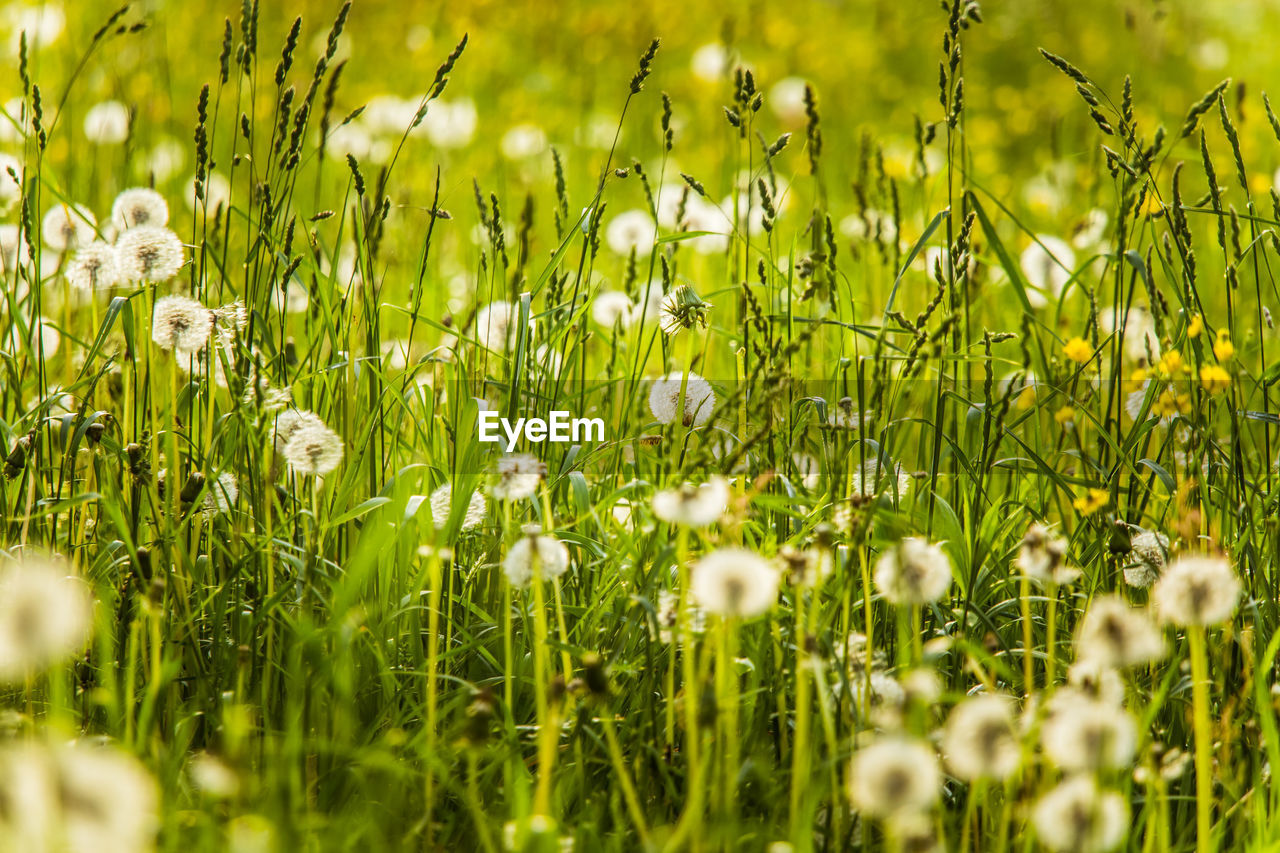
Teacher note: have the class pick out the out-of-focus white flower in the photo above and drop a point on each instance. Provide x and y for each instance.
(894, 776)
(1076, 816)
(139, 206)
(665, 398)
(734, 582)
(913, 572)
(710, 63)
(107, 123)
(523, 142)
(786, 100)
(65, 227)
(1048, 264)
(1197, 590)
(535, 555)
(450, 124)
(45, 616)
(693, 506)
(631, 230)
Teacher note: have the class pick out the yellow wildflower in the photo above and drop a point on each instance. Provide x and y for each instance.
(1195, 327)
(1091, 502)
(1171, 364)
(1223, 348)
(1065, 415)
(1214, 378)
(1078, 350)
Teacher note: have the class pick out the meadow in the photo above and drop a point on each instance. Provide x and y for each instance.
(933, 504)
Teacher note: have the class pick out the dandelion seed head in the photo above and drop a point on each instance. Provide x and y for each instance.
(1047, 265)
(1042, 554)
(97, 798)
(1197, 590)
(1148, 554)
(149, 253)
(517, 476)
(442, 506)
(496, 326)
(65, 227)
(1115, 634)
(1078, 816)
(107, 123)
(893, 777)
(878, 477)
(699, 399)
(734, 582)
(610, 308)
(181, 324)
(312, 447)
(693, 506)
(94, 268)
(913, 572)
(981, 738)
(45, 615)
(139, 206)
(535, 555)
(631, 230)
(221, 495)
(1080, 733)
(1097, 681)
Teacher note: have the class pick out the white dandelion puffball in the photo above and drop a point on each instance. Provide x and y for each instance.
(610, 307)
(1047, 264)
(182, 324)
(450, 124)
(786, 100)
(42, 24)
(94, 268)
(50, 337)
(877, 477)
(517, 476)
(1140, 334)
(99, 798)
(139, 206)
(1081, 733)
(64, 227)
(535, 555)
(981, 738)
(313, 448)
(710, 62)
(523, 142)
(149, 253)
(1197, 591)
(1115, 634)
(107, 123)
(217, 193)
(894, 776)
(699, 399)
(45, 616)
(693, 506)
(1148, 555)
(631, 229)
(913, 572)
(442, 506)
(221, 495)
(496, 326)
(734, 582)
(1077, 816)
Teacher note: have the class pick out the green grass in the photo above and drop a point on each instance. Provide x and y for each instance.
(325, 667)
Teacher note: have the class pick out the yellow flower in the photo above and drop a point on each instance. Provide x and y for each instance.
(1169, 404)
(1151, 206)
(1171, 364)
(1091, 502)
(1214, 378)
(1065, 415)
(1078, 350)
(1027, 399)
(1139, 376)
(1223, 348)
(1195, 327)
